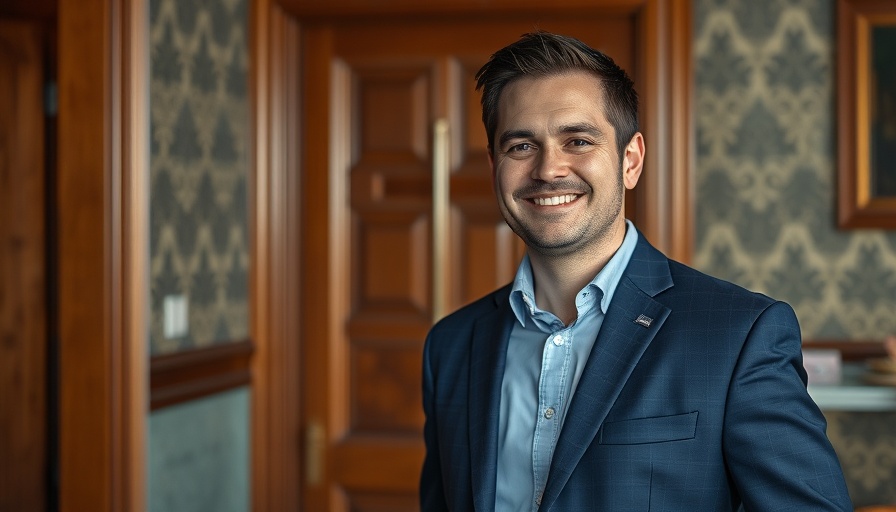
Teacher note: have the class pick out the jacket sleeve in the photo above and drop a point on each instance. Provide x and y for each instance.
(432, 492)
(776, 448)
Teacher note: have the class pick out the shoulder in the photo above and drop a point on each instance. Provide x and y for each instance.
(679, 285)
(700, 302)
(467, 316)
(712, 291)
(450, 341)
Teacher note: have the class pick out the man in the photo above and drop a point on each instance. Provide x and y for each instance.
(607, 377)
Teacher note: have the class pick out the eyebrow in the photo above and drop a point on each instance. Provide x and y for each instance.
(587, 128)
(514, 134)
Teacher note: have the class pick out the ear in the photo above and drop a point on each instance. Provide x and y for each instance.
(633, 161)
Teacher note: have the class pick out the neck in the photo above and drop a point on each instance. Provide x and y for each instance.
(559, 278)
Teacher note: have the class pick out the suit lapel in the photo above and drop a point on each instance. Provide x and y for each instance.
(490, 337)
(621, 342)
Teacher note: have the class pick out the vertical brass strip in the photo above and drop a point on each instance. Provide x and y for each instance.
(440, 215)
(315, 439)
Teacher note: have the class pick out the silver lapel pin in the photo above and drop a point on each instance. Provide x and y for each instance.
(644, 320)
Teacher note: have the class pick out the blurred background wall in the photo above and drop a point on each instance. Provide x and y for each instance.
(764, 75)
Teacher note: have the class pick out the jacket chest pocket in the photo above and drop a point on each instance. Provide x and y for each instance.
(658, 429)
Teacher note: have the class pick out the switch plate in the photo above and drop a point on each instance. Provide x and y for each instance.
(175, 314)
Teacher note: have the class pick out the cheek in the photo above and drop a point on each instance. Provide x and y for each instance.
(502, 180)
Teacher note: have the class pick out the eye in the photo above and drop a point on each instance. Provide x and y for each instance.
(580, 143)
(525, 146)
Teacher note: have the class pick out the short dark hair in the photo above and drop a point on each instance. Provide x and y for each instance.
(539, 54)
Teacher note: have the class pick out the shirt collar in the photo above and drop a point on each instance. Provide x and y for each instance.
(522, 295)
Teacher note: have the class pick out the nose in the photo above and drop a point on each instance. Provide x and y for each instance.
(551, 164)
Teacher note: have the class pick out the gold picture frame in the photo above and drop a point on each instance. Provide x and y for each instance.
(866, 112)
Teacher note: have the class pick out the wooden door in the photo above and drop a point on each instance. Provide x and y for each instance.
(378, 95)
(23, 270)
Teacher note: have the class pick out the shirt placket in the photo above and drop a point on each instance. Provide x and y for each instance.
(552, 388)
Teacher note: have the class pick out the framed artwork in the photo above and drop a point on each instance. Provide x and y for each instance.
(866, 113)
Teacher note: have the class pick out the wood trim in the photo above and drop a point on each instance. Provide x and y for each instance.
(276, 366)
(317, 316)
(365, 8)
(102, 236)
(680, 214)
(664, 198)
(856, 351)
(196, 373)
(131, 229)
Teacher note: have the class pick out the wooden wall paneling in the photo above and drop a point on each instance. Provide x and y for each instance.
(102, 240)
(23, 270)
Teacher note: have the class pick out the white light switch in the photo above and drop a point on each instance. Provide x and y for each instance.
(175, 313)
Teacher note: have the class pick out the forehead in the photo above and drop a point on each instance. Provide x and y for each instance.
(553, 98)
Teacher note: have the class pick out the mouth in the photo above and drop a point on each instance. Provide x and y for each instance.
(554, 200)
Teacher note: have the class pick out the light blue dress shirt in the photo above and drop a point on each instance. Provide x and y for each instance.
(545, 359)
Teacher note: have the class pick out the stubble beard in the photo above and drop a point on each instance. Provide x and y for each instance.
(592, 233)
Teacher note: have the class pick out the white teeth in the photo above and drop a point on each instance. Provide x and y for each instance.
(553, 201)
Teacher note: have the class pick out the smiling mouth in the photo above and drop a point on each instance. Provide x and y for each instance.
(555, 200)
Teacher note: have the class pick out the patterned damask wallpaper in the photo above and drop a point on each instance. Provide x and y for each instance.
(199, 168)
(766, 192)
(766, 169)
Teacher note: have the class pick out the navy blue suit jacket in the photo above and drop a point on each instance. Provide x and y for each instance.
(704, 409)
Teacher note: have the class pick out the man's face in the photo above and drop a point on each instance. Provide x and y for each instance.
(557, 174)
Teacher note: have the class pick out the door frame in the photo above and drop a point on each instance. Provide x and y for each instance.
(102, 234)
(276, 438)
(285, 221)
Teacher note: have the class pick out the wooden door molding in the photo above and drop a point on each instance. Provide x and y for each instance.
(303, 9)
(294, 208)
(665, 201)
(102, 197)
(276, 260)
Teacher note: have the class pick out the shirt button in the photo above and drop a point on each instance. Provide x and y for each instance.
(549, 413)
(559, 341)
